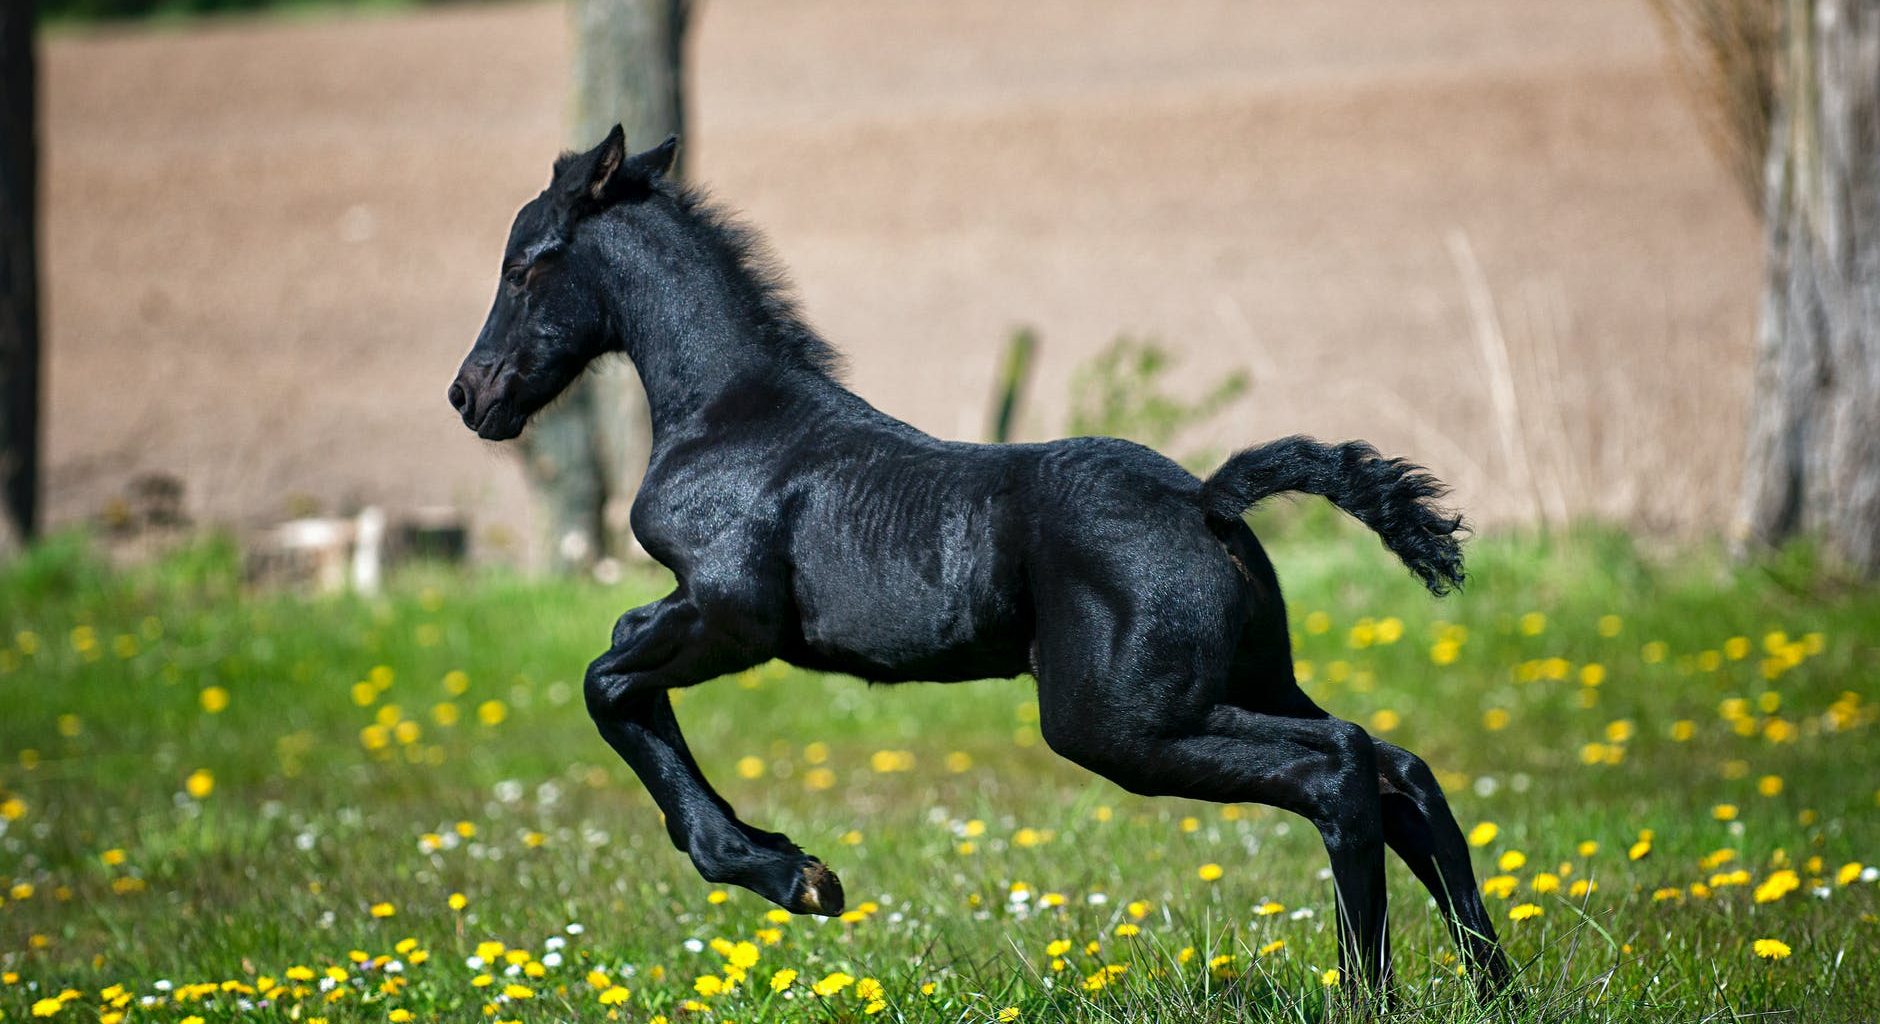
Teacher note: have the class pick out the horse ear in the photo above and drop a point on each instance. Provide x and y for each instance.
(589, 180)
(654, 164)
(605, 175)
(600, 182)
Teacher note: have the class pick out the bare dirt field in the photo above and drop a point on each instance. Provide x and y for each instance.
(270, 241)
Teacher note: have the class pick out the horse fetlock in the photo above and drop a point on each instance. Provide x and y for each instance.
(781, 874)
(816, 890)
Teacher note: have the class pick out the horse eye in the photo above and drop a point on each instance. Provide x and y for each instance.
(517, 275)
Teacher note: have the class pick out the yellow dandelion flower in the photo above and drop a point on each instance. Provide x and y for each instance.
(457, 901)
(214, 699)
(1269, 908)
(1330, 977)
(614, 995)
(515, 991)
(1126, 929)
(1512, 860)
(1724, 812)
(1777, 885)
(1769, 785)
(1272, 947)
(1484, 833)
(832, 983)
(782, 980)
(708, 985)
(1007, 1015)
(200, 783)
(1771, 949)
(1524, 911)
(1500, 886)
(383, 910)
(1210, 872)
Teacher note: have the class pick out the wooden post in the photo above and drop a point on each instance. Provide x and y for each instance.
(19, 280)
(1813, 463)
(585, 455)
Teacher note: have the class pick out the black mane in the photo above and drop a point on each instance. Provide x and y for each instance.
(761, 284)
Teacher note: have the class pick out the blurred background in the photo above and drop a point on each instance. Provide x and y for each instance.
(1486, 234)
(1609, 267)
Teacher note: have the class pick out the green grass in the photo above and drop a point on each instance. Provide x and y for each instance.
(324, 805)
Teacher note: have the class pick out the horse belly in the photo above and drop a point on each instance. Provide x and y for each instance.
(948, 612)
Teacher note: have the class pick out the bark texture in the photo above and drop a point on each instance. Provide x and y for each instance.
(19, 282)
(584, 455)
(1813, 462)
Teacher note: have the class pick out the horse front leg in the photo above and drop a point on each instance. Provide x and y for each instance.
(657, 648)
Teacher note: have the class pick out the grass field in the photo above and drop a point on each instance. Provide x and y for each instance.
(224, 805)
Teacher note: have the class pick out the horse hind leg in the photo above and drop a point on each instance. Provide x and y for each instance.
(1422, 830)
(1323, 769)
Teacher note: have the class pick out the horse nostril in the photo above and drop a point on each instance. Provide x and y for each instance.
(459, 398)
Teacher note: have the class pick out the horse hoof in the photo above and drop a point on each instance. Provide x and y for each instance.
(817, 891)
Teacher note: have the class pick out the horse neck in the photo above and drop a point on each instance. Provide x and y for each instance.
(695, 350)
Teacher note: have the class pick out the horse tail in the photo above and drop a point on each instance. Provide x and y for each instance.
(1393, 497)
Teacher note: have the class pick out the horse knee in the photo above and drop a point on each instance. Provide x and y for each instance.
(1404, 772)
(1348, 799)
(610, 696)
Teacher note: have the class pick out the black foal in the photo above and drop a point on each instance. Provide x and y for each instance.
(803, 524)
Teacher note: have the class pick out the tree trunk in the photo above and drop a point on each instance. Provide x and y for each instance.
(584, 456)
(1814, 444)
(19, 282)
